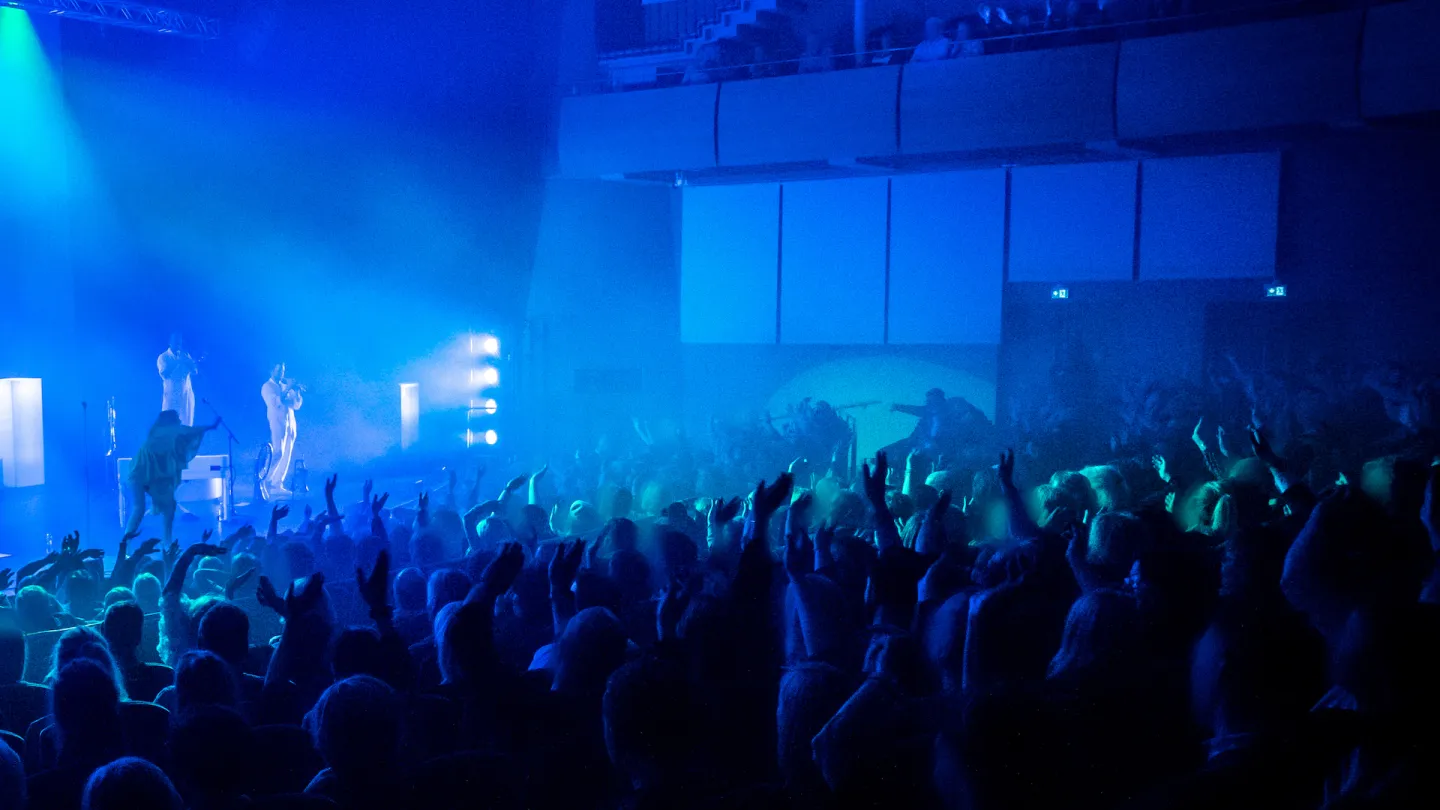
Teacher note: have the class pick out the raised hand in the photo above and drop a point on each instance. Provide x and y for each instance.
(171, 555)
(370, 486)
(794, 468)
(203, 549)
(70, 544)
(824, 539)
(932, 539)
(541, 473)
(768, 500)
(516, 483)
(330, 487)
(235, 583)
(375, 588)
(1006, 470)
(266, 595)
(723, 511)
(308, 598)
(874, 480)
(1158, 462)
(281, 511)
(500, 574)
(799, 556)
(377, 504)
(1195, 435)
(1263, 451)
(147, 548)
(565, 566)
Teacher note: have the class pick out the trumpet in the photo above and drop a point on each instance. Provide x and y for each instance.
(287, 384)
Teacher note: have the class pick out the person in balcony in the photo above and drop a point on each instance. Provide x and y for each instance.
(881, 48)
(966, 42)
(705, 67)
(818, 57)
(936, 45)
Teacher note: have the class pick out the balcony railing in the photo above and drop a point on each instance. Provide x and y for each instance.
(1156, 20)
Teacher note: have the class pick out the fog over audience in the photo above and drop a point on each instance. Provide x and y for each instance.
(1185, 597)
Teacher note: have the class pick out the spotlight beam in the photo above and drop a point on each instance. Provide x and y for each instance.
(135, 16)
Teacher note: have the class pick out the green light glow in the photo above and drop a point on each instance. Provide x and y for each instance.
(35, 130)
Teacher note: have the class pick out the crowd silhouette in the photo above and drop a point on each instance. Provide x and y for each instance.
(1169, 627)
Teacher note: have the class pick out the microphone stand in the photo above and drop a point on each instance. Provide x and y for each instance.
(227, 503)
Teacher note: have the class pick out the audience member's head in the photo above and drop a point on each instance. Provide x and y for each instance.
(85, 703)
(83, 642)
(592, 646)
(203, 678)
(225, 631)
(446, 585)
(410, 591)
(36, 609)
(356, 727)
(147, 592)
(649, 720)
(118, 594)
(130, 783)
(1102, 635)
(123, 628)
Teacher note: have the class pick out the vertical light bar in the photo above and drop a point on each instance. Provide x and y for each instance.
(22, 432)
(409, 414)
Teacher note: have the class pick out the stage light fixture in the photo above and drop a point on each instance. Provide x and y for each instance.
(22, 432)
(491, 406)
(491, 437)
(490, 345)
(490, 375)
(409, 414)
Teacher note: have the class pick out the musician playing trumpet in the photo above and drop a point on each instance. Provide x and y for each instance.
(283, 397)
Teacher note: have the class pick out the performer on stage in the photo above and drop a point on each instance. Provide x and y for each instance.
(166, 452)
(947, 426)
(282, 399)
(176, 365)
(935, 416)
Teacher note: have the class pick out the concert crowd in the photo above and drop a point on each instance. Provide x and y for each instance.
(1182, 597)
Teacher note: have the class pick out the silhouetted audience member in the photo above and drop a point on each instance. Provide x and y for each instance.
(129, 783)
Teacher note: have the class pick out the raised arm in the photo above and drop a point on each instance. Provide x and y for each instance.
(1022, 527)
(886, 535)
(564, 567)
(534, 491)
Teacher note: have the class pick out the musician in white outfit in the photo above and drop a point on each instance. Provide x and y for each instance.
(176, 365)
(282, 399)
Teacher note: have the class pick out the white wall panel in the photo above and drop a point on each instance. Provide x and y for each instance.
(947, 243)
